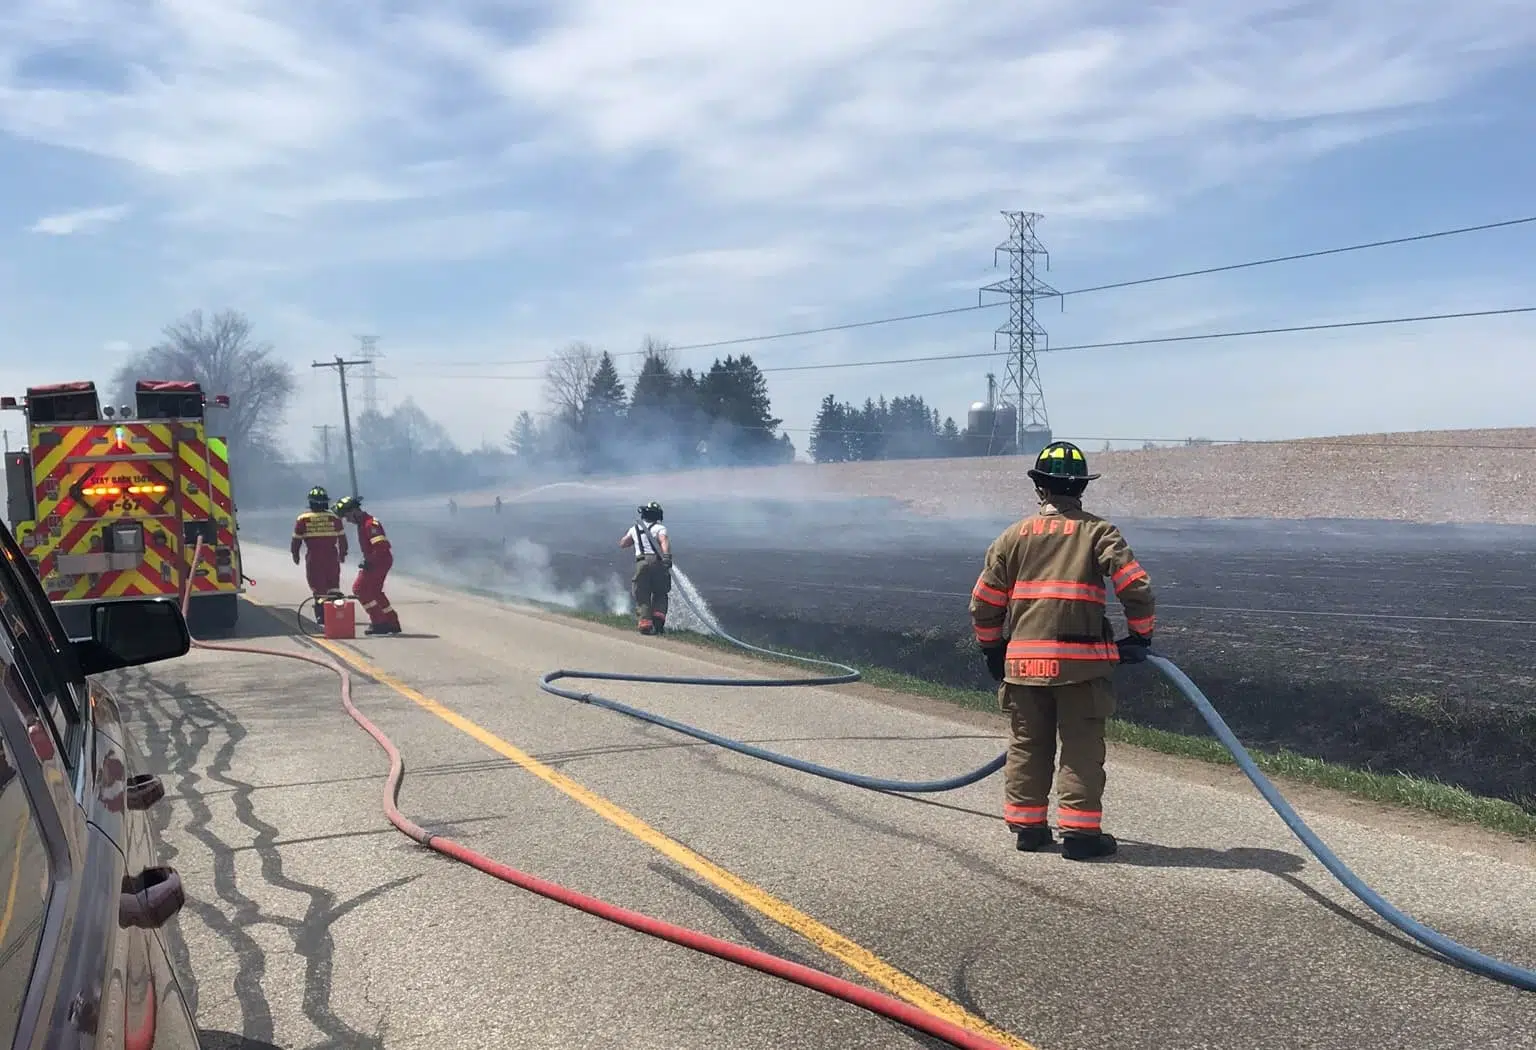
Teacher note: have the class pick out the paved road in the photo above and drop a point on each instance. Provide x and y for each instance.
(314, 924)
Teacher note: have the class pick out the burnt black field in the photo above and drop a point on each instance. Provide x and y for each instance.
(1384, 646)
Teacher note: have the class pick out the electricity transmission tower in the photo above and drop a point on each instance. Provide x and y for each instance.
(341, 367)
(368, 350)
(1021, 384)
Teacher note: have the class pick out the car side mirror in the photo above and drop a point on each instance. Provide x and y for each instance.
(130, 632)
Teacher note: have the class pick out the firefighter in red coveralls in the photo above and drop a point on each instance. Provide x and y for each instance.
(323, 539)
(376, 563)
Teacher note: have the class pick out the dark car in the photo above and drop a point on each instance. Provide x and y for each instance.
(83, 902)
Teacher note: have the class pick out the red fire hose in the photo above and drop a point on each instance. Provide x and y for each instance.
(817, 980)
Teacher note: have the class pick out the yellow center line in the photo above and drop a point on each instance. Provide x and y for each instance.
(10, 894)
(824, 937)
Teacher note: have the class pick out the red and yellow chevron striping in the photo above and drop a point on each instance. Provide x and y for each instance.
(158, 474)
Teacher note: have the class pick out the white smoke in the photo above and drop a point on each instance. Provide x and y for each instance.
(521, 569)
(528, 574)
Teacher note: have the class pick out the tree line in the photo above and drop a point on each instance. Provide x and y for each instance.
(591, 422)
(902, 428)
(669, 418)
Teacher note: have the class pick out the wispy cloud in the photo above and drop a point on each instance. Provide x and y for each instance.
(81, 221)
(695, 168)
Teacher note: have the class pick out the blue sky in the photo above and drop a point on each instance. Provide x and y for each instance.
(479, 183)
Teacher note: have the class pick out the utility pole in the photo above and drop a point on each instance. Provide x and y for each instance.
(325, 446)
(341, 367)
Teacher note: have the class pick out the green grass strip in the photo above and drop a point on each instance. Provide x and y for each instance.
(1397, 789)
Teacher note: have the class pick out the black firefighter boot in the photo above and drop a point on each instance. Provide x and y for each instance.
(1033, 838)
(661, 623)
(1087, 845)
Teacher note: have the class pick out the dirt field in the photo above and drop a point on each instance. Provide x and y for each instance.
(1464, 476)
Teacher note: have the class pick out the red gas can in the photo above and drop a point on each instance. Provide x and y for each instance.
(340, 618)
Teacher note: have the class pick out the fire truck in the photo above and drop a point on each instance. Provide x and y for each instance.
(109, 502)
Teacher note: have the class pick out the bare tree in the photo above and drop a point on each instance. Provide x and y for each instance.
(220, 354)
(658, 350)
(566, 381)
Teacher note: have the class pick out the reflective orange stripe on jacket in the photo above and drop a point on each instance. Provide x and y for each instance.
(1127, 575)
(1063, 590)
(991, 595)
(1034, 649)
(988, 636)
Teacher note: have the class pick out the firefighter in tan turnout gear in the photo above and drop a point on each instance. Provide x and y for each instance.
(653, 568)
(1038, 610)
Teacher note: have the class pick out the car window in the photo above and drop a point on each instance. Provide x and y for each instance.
(58, 649)
(24, 872)
(45, 665)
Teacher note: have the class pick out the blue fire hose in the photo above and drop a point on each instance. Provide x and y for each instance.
(1448, 949)
(1466, 957)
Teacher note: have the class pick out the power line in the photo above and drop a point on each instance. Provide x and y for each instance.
(1137, 282)
(1118, 343)
(1197, 337)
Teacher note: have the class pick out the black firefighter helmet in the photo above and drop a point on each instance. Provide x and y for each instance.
(319, 499)
(1061, 467)
(650, 511)
(346, 505)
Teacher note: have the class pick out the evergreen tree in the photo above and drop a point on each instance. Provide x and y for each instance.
(652, 419)
(901, 428)
(523, 438)
(868, 438)
(733, 395)
(912, 429)
(689, 421)
(602, 416)
(829, 434)
(784, 451)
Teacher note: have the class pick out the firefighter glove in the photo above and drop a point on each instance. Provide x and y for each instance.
(995, 665)
(1133, 648)
(295, 559)
(362, 566)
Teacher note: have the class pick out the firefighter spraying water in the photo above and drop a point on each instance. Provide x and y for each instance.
(377, 560)
(653, 568)
(322, 537)
(1038, 613)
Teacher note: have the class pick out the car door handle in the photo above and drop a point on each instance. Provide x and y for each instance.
(144, 790)
(150, 898)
